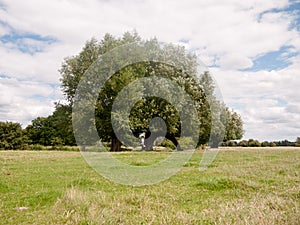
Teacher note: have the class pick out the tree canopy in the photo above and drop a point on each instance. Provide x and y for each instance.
(11, 136)
(147, 108)
(53, 130)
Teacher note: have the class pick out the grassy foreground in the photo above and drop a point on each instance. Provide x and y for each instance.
(242, 186)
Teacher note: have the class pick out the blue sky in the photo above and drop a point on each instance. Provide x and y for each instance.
(27, 42)
(274, 60)
(251, 47)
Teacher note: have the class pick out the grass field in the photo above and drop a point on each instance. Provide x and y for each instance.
(242, 186)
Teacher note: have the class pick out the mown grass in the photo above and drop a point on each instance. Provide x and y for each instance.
(242, 186)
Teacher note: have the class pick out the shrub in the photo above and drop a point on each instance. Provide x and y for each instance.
(272, 144)
(243, 143)
(265, 144)
(231, 143)
(12, 136)
(253, 143)
(168, 144)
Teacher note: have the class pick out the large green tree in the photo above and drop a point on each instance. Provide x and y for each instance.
(147, 108)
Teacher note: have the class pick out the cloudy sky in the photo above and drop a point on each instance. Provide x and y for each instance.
(251, 47)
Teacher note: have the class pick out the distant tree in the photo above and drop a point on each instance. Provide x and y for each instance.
(253, 143)
(55, 129)
(272, 144)
(243, 143)
(11, 136)
(215, 112)
(232, 143)
(297, 143)
(229, 144)
(265, 144)
(234, 126)
(284, 143)
(40, 131)
(61, 120)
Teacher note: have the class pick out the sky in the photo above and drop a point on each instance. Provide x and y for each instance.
(251, 47)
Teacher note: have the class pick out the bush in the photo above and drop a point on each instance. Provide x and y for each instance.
(272, 144)
(253, 143)
(232, 143)
(265, 144)
(69, 148)
(186, 143)
(57, 141)
(229, 144)
(168, 144)
(243, 143)
(12, 136)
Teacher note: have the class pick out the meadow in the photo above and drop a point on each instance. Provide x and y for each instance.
(242, 186)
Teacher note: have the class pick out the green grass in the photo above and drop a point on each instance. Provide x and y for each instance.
(242, 186)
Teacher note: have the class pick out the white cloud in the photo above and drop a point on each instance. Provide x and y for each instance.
(228, 33)
(235, 61)
(292, 108)
(3, 30)
(267, 101)
(21, 101)
(42, 66)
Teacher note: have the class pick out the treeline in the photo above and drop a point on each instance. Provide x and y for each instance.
(256, 143)
(55, 132)
(52, 132)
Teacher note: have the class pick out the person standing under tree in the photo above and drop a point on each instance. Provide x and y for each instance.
(142, 140)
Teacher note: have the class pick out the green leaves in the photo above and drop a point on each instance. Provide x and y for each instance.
(170, 62)
(234, 126)
(53, 130)
(11, 136)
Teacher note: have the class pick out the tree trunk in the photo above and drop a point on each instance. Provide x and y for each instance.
(215, 145)
(115, 144)
(149, 142)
